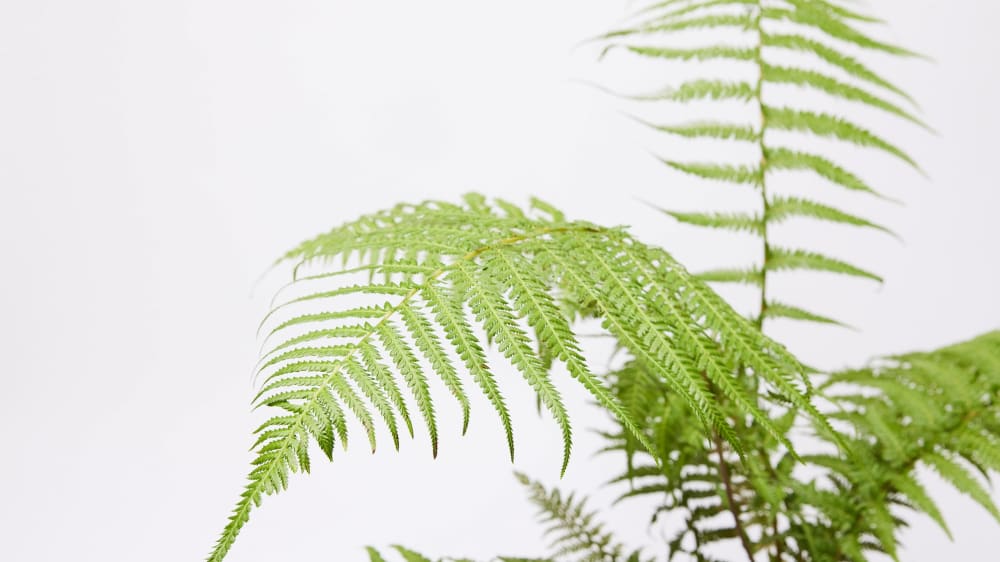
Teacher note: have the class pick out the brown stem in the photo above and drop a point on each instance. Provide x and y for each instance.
(731, 498)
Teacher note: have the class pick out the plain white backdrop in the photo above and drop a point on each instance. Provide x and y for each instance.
(156, 156)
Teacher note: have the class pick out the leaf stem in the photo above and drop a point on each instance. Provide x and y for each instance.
(758, 95)
(731, 497)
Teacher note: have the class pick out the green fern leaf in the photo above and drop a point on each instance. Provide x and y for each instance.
(741, 276)
(374, 555)
(732, 174)
(449, 314)
(833, 27)
(504, 265)
(963, 481)
(825, 125)
(702, 90)
(780, 208)
(410, 555)
(908, 485)
(782, 259)
(833, 87)
(785, 159)
(780, 310)
(699, 54)
(729, 221)
(832, 56)
(709, 130)
(739, 21)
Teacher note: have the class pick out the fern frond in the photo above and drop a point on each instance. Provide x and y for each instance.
(575, 532)
(931, 409)
(500, 269)
(755, 33)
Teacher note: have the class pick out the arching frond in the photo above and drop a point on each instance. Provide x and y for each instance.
(443, 282)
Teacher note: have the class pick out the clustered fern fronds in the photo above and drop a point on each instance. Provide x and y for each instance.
(706, 407)
(938, 410)
(442, 267)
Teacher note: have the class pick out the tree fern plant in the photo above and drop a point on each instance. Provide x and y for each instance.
(714, 418)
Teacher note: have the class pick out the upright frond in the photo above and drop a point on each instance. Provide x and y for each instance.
(757, 35)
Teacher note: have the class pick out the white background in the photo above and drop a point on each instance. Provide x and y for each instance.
(156, 156)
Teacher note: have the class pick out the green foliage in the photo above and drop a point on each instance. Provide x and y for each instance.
(576, 534)
(446, 280)
(759, 35)
(936, 410)
(386, 312)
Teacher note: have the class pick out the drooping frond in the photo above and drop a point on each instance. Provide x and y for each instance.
(783, 48)
(383, 305)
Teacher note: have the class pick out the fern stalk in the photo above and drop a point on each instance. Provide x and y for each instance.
(765, 205)
(731, 502)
